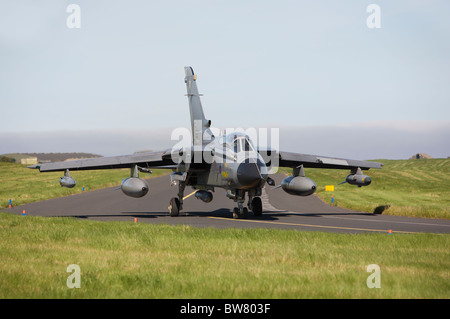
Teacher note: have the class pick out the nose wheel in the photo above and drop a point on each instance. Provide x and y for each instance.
(240, 211)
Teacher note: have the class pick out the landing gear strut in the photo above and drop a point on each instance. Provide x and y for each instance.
(239, 198)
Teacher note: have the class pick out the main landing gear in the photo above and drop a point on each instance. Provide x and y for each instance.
(257, 206)
(176, 203)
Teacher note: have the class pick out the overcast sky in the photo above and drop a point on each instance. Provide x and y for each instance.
(311, 68)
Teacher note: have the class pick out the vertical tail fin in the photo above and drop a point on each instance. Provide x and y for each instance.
(199, 124)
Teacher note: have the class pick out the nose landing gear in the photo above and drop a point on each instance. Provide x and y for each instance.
(254, 204)
(240, 212)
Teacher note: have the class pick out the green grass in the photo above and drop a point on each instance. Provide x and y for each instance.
(419, 188)
(23, 185)
(134, 260)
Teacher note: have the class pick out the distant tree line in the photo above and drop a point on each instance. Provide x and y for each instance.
(6, 159)
(45, 157)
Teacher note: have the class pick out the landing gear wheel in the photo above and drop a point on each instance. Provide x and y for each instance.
(257, 206)
(235, 213)
(238, 214)
(244, 213)
(174, 206)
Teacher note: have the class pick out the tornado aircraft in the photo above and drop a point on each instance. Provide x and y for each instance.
(229, 160)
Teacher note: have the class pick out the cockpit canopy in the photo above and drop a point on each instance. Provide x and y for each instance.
(238, 142)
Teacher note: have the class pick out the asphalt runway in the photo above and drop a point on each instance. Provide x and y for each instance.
(281, 210)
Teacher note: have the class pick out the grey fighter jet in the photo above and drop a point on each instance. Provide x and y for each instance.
(230, 161)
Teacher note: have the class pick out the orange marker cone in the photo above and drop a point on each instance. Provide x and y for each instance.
(135, 220)
(390, 231)
(23, 213)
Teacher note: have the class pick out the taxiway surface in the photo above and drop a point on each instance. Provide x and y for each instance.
(281, 210)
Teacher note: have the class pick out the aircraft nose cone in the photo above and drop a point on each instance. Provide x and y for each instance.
(367, 180)
(248, 174)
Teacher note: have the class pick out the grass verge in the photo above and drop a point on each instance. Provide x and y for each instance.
(134, 260)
